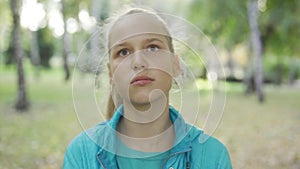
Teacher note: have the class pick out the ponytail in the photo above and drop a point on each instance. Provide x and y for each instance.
(111, 108)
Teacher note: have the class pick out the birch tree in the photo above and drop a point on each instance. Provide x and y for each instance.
(22, 103)
(256, 47)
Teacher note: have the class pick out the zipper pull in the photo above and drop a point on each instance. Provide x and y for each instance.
(187, 165)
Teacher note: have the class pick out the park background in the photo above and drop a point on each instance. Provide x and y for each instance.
(258, 43)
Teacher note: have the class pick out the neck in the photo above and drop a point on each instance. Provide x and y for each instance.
(147, 127)
(145, 120)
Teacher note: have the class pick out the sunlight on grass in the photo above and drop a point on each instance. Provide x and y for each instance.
(204, 84)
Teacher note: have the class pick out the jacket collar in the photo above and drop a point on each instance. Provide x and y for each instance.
(109, 142)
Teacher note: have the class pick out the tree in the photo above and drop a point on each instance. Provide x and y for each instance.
(34, 49)
(34, 52)
(257, 47)
(280, 34)
(69, 8)
(22, 103)
(46, 46)
(66, 43)
(100, 10)
(225, 22)
(5, 26)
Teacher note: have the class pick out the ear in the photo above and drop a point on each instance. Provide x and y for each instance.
(109, 73)
(176, 66)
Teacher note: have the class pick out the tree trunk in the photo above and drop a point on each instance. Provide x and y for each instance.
(249, 78)
(22, 103)
(230, 64)
(34, 49)
(292, 71)
(256, 46)
(66, 52)
(35, 53)
(93, 60)
(66, 44)
(278, 73)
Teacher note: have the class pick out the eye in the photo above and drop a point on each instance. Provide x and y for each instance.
(153, 48)
(123, 52)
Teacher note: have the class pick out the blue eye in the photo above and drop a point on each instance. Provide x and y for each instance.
(123, 52)
(152, 48)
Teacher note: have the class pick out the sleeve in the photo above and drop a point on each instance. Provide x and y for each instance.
(224, 162)
(73, 155)
(215, 155)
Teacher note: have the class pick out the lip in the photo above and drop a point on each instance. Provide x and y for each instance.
(141, 80)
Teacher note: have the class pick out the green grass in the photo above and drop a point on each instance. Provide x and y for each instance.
(263, 135)
(37, 138)
(257, 135)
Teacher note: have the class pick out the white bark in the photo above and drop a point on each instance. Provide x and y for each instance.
(22, 102)
(256, 46)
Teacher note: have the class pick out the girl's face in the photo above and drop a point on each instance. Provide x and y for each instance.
(141, 65)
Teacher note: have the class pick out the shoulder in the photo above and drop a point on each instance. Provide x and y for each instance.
(82, 148)
(81, 141)
(87, 138)
(213, 152)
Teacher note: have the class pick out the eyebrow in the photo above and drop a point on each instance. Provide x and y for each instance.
(117, 45)
(154, 39)
(148, 40)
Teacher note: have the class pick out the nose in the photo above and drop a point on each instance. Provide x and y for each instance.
(138, 61)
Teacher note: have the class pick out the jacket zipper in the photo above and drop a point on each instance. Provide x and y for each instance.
(99, 160)
(174, 154)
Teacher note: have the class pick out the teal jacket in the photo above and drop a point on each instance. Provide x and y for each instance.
(96, 148)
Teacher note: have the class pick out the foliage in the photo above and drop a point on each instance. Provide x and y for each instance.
(224, 21)
(45, 43)
(278, 70)
(280, 27)
(105, 10)
(72, 7)
(5, 24)
(46, 46)
(274, 72)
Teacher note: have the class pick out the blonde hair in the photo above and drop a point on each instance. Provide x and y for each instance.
(111, 108)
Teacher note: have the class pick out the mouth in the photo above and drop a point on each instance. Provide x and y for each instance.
(141, 80)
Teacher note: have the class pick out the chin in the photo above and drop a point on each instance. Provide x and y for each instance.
(146, 100)
(140, 101)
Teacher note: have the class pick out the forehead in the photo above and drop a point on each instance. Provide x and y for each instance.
(136, 24)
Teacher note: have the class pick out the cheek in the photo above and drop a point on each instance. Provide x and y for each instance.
(162, 61)
(169, 82)
(116, 67)
(120, 73)
(165, 80)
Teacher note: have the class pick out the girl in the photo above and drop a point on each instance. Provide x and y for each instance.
(144, 131)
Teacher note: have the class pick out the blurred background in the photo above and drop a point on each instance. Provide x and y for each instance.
(258, 46)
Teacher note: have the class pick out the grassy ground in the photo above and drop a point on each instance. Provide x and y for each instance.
(257, 135)
(36, 139)
(263, 135)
